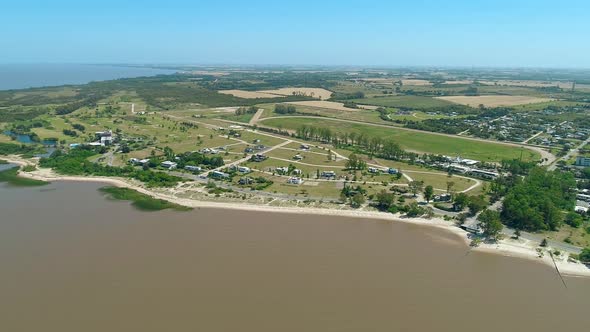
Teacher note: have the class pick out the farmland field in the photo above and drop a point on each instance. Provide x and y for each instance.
(414, 141)
(494, 101)
(247, 94)
(330, 105)
(415, 102)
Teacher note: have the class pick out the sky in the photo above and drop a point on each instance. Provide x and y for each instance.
(499, 33)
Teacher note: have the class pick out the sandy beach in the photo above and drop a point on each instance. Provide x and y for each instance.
(508, 247)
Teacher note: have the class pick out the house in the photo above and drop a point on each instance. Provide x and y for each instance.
(219, 175)
(304, 147)
(245, 181)
(297, 157)
(582, 197)
(256, 141)
(100, 134)
(106, 140)
(583, 161)
(258, 157)
(373, 170)
(191, 168)
(297, 171)
(295, 180)
(458, 168)
(134, 161)
(581, 209)
(483, 174)
(244, 169)
(248, 150)
(328, 174)
(169, 164)
(282, 170)
(392, 171)
(442, 198)
(144, 162)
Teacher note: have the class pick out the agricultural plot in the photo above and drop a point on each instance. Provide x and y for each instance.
(331, 105)
(415, 141)
(494, 101)
(247, 94)
(412, 102)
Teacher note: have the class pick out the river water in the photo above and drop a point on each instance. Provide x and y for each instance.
(22, 76)
(71, 260)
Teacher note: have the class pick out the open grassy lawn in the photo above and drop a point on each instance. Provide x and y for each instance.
(363, 115)
(265, 140)
(417, 102)
(439, 180)
(415, 141)
(314, 158)
(542, 106)
(578, 236)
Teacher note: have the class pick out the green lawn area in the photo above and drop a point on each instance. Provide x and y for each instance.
(415, 141)
(417, 102)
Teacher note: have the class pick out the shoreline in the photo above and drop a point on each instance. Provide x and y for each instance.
(506, 247)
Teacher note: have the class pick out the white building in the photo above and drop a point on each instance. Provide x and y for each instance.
(169, 164)
(244, 169)
(295, 180)
(192, 168)
(583, 161)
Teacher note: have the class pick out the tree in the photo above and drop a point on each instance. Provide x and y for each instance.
(357, 200)
(415, 187)
(450, 185)
(461, 200)
(573, 219)
(536, 203)
(490, 224)
(428, 193)
(585, 255)
(414, 210)
(384, 199)
(476, 204)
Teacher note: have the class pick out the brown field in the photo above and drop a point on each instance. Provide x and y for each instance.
(494, 101)
(459, 82)
(415, 82)
(311, 92)
(248, 94)
(331, 105)
(532, 84)
(282, 92)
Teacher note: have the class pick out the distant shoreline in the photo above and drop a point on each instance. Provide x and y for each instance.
(507, 247)
(36, 76)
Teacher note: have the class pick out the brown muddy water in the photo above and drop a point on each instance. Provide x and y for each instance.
(71, 260)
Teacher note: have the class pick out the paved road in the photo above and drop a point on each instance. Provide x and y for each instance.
(569, 154)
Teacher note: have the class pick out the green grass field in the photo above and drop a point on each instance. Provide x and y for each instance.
(415, 141)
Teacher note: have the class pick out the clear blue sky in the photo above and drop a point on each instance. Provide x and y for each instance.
(528, 33)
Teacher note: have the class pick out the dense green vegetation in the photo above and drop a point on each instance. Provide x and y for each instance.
(141, 201)
(536, 203)
(27, 150)
(76, 163)
(11, 177)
